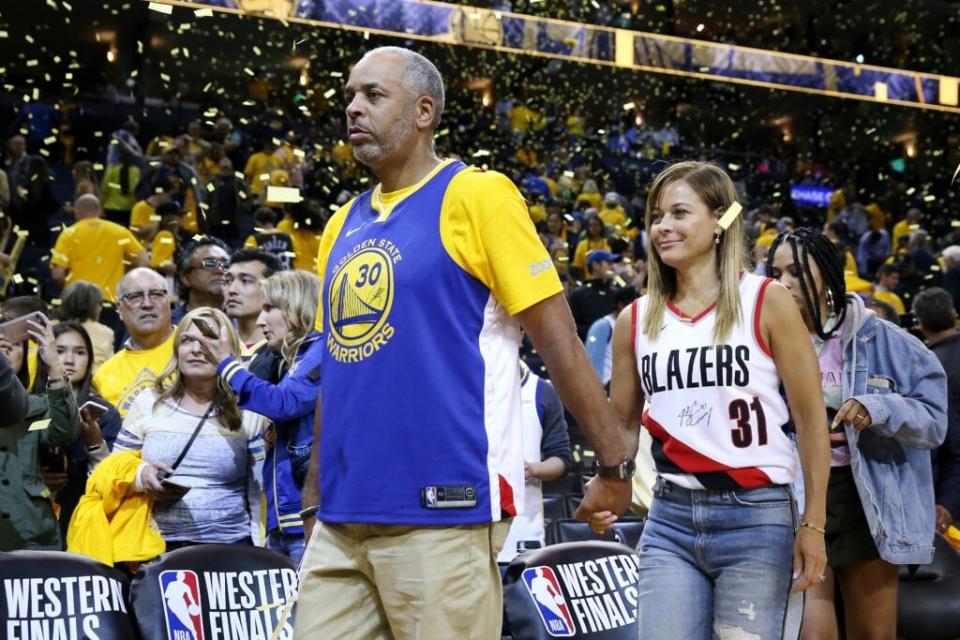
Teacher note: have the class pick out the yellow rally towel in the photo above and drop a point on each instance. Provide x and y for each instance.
(108, 524)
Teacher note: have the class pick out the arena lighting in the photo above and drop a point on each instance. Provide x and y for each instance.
(514, 33)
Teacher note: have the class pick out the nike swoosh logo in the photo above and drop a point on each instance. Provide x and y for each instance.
(352, 231)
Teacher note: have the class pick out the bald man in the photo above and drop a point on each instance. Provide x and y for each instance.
(144, 308)
(95, 250)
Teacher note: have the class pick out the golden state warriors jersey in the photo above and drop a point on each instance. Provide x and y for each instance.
(421, 389)
(716, 414)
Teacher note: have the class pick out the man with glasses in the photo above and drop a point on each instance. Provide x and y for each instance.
(145, 311)
(202, 271)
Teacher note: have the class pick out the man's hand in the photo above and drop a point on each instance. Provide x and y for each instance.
(605, 499)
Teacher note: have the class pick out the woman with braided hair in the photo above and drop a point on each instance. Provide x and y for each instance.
(886, 398)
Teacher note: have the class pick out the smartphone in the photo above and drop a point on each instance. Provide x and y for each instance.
(52, 459)
(16, 330)
(205, 328)
(175, 487)
(95, 409)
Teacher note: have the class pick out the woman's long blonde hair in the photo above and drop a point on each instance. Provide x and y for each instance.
(170, 383)
(295, 293)
(716, 189)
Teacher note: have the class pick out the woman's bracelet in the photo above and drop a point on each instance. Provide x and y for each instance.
(820, 530)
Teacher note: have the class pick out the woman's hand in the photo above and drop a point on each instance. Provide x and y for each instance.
(809, 559)
(216, 350)
(150, 479)
(41, 331)
(854, 414)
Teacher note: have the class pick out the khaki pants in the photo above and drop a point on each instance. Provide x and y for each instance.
(373, 582)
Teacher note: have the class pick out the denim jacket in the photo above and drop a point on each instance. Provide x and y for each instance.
(903, 386)
(291, 405)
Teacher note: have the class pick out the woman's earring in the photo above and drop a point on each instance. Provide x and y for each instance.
(830, 298)
(716, 238)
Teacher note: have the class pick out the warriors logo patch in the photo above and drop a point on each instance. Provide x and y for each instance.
(360, 298)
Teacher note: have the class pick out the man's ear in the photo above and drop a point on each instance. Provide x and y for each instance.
(426, 111)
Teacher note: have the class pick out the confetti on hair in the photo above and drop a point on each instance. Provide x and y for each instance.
(730, 215)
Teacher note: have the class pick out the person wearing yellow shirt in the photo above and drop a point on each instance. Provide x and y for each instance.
(164, 245)
(117, 189)
(538, 212)
(523, 119)
(590, 194)
(613, 214)
(95, 250)
(270, 239)
(594, 239)
(306, 239)
(876, 215)
(888, 277)
(143, 219)
(145, 311)
(905, 227)
(260, 165)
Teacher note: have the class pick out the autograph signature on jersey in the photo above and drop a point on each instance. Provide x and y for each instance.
(696, 414)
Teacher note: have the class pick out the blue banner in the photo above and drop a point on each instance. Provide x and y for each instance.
(811, 195)
(531, 35)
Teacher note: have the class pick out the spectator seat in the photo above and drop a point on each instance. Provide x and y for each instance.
(220, 590)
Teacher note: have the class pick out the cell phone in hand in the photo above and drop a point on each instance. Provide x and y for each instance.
(52, 459)
(175, 487)
(205, 328)
(16, 330)
(95, 409)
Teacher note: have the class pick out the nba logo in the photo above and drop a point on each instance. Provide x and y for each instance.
(545, 590)
(180, 591)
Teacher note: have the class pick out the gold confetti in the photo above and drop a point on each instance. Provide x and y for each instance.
(283, 194)
(203, 13)
(731, 214)
(39, 425)
(160, 8)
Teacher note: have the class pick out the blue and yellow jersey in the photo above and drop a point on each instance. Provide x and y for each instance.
(422, 388)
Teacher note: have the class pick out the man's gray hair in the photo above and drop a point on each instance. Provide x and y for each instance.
(420, 76)
(136, 271)
(952, 253)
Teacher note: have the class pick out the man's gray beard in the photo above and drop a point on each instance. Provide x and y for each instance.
(367, 153)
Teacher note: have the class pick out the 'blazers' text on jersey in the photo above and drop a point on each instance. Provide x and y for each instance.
(716, 411)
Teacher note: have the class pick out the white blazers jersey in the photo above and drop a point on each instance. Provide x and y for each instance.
(716, 412)
(528, 525)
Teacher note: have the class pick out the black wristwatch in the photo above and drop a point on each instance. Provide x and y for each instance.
(623, 471)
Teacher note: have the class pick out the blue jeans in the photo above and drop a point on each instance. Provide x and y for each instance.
(716, 564)
(290, 545)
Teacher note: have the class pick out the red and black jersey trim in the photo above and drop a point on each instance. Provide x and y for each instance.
(673, 456)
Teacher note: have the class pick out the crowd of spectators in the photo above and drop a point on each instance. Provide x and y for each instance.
(220, 223)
